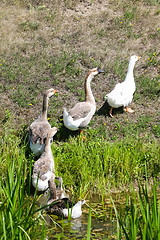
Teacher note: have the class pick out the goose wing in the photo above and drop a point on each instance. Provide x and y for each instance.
(57, 206)
(123, 90)
(80, 110)
(38, 131)
(41, 168)
(121, 95)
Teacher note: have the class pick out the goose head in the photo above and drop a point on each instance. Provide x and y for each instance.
(50, 92)
(93, 72)
(81, 202)
(134, 58)
(51, 134)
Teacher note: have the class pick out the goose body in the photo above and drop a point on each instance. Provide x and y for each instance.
(39, 128)
(43, 175)
(65, 207)
(122, 94)
(80, 115)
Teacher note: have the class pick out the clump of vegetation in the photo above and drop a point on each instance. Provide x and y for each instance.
(95, 162)
(19, 216)
(141, 217)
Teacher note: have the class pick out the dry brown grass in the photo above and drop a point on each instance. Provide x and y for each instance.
(35, 32)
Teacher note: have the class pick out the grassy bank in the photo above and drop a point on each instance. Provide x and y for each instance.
(98, 164)
(90, 165)
(48, 44)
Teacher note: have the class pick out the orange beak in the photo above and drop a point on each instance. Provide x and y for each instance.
(138, 57)
(56, 91)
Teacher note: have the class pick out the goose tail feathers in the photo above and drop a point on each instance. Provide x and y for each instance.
(65, 113)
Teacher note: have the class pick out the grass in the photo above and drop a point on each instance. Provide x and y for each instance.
(141, 218)
(89, 226)
(96, 163)
(19, 216)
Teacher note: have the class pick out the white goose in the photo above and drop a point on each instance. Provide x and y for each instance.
(43, 175)
(122, 94)
(80, 115)
(65, 207)
(39, 128)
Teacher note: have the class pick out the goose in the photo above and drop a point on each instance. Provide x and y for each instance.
(39, 128)
(60, 193)
(43, 171)
(122, 94)
(65, 207)
(80, 115)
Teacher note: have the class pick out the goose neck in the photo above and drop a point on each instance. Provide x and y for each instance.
(88, 92)
(48, 148)
(129, 75)
(45, 106)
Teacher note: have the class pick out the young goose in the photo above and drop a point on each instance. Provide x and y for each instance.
(60, 193)
(123, 92)
(65, 207)
(80, 115)
(43, 175)
(39, 128)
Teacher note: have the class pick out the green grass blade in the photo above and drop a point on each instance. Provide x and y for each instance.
(4, 227)
(25, 232)
(11, 224)
(89, 226)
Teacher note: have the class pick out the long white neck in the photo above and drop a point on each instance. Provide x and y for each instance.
(129, 76)
(89, 95)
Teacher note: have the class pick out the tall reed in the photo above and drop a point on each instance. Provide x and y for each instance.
(89, 225)
(141, 219)
(19, 216)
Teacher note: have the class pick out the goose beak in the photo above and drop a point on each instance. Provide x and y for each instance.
(100, 71)
(56, 91)
(139, 57)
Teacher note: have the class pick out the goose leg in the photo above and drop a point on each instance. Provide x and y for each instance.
(81, 135)
(110, 112)
(129, 110)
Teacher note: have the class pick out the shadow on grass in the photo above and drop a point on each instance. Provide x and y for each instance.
(105, 108)
(64, 133)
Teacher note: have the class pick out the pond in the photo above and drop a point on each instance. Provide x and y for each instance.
(103, 222)
(77, 228)
(103, 219)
